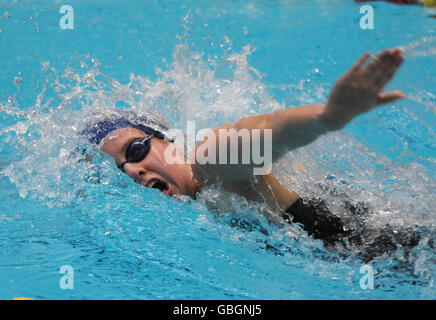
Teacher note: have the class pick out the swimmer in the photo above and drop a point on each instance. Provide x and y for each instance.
(138, 149)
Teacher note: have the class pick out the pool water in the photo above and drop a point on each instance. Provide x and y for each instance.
(219, 61)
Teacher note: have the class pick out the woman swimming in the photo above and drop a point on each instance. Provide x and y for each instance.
(139, 149)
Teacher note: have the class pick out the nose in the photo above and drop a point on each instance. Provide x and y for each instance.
(135, 171)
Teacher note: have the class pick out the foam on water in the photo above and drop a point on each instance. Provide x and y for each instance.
(47, 159)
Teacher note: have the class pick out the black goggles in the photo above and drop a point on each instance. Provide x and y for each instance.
(139, 148)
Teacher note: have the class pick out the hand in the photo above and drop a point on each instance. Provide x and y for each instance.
(359, 90)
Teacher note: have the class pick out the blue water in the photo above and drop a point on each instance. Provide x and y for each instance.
(219, 61)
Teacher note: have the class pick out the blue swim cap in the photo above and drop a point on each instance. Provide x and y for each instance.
(101, 124)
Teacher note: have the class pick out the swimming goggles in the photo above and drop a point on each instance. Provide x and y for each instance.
(140, 147)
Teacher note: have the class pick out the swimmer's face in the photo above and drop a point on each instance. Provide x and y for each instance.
(153, 170)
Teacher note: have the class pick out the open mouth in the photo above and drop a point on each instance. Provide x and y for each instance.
(158, 184)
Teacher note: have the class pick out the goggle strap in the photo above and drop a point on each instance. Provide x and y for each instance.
(156, 133)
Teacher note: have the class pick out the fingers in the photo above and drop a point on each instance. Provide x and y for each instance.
(390, 97)
(381, 60)
(381, 70)
(387, 71)
(356, 67)
(384, 77)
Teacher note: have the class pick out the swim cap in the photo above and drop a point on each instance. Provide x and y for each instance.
(101, 124)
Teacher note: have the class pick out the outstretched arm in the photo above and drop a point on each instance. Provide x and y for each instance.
(356, 92)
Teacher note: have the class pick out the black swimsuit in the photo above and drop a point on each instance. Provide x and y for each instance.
(316, 219)
(320, 223)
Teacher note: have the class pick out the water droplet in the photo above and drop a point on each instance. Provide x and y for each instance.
(17, 80)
